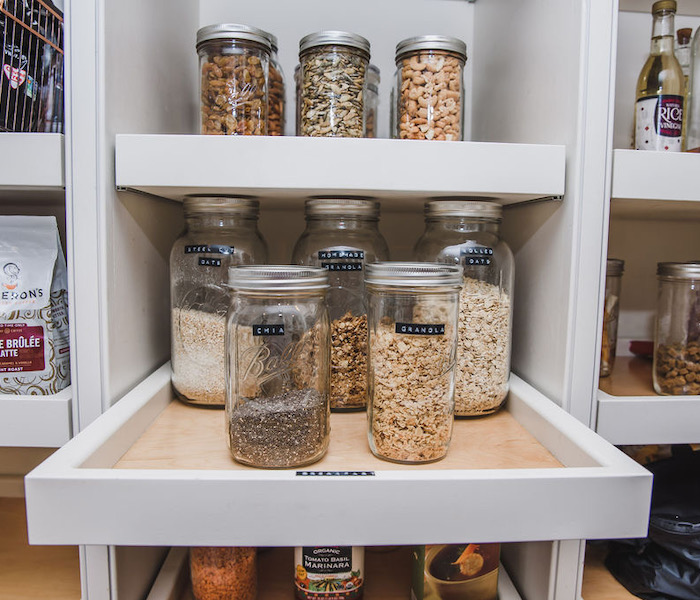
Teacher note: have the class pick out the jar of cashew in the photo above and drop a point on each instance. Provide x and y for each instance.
(430, 88)
(233, 61)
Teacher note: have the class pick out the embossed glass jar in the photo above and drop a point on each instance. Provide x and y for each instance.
(275, 116)
(611, 311)
(467, 233)
(412, 354)
(278, 356)
(221, 231)
(342, 236)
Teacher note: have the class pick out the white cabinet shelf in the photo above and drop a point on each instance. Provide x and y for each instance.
(32, 166)
(293, 167)
(35, 421)
(148, 451)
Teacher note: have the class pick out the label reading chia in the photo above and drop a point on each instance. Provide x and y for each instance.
(259, 330)
(209, 249)
(420, 329)
(475, 256)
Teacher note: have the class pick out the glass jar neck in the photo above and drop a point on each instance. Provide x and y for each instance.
(662, 33)
(200, 221)
(316, 222)
(464, 224)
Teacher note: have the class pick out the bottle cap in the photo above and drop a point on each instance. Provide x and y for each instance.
(467, 207)
(414, 274)
(684, 35)
(661, 5)
(234, 31)
(426, 43)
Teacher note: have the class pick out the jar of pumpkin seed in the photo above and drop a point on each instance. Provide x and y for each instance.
(333, 68)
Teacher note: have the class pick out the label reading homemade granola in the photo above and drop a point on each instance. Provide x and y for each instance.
(420, 329)
(476, 256)
(329, 572)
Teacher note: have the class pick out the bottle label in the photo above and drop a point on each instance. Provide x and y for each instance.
(420, 329)
(477, 256)
(329, 572)
(21, 348)
(659, 123)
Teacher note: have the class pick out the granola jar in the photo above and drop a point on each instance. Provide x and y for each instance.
(611, 311)
(333, 67)
(220, 573)
(413, 311)
(342, 236)
(220, 231)
(467, 233)
(430, 88)
(676, 368)
(233, 62)
(371, 97)
(275, 82)
(277, 355)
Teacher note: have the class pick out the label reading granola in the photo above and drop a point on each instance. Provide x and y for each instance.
(330, 572)
(476, 256)
(420, 329)
(21, 348)
(209, 249)
(259, 330)
(342, 266)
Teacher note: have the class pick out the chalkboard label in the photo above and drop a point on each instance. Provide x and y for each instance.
(420, 329)
(340, 254)
(259, 330)
(209, 249)
(477, 256)
(342, 266)
(209, 262)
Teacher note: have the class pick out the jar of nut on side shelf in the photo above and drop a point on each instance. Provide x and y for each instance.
(234, 62)
(275, 84)
(413, 310)
(676, 368)
(430, 88)
(221, 231)
(611, 311)
(467, 233)
(332, 79)
(342, 236)
(278, 356)
(373, 79)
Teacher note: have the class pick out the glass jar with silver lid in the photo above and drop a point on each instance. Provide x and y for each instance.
(676, 368)
(275, 85)
(332, 79)
(277, 354)
(373, 79)
(611, 312)
(430, 88)
(412, 355)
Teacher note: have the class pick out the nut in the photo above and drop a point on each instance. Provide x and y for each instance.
(349, 362)
(275, 111)
(677, 369)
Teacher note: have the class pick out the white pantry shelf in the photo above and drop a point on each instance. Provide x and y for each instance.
(284, 168)
(149, 451)
(32, 166)
(36, 421)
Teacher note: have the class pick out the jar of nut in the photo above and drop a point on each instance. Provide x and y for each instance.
(466, 232)
(275, 84)
(372, 100)
(676, 369)
(234, 62)
(342, 236)
(333, 68)
(611, 311)
(413, 311)
(430, 88)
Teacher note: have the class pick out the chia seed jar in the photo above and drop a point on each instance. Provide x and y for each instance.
(234, 62)
(278, 357)
(332, 78)
(412, 355)
(220, 231)
(611, 312)
(342, 236)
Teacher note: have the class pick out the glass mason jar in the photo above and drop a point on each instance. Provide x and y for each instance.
(333, 67)
(371, 97)
(413, 311)
(220, 231)
(430, 88)
(611, 311)
(297, 97)
(233, 62)
(278, 354)
(677, 337)
(467, 233)
(219, 573)
(275, 83)
(342, 236)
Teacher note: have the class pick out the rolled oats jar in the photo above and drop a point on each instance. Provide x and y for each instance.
(430, 88)
(220, 231)
(467, 233)
(342, 237)
(332, 79)
(676, 369)
(611, 311)
(278, 353)
(412, 355)
(233, 61)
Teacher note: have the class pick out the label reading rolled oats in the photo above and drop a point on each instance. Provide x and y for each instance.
(420, 329)
(477, 256)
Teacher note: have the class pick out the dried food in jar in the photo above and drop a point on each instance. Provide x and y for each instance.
(222, 573)
(275, 122)
(349, 362)
(678, 368)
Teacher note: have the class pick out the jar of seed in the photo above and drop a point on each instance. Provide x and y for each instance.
(333, 68)
(412, 354)
(220, 231)
(430, 88)
(342, 236)
(234, 62)
(278, 358)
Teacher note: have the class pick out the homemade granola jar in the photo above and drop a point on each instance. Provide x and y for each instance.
(342, 236)
(677, 337)
(222, 573)
(233, 62)
(413, 311)
(275, 84)
(430, 88)
(220, 231)
(611, 312)
(333, 66)
(466, 232)
(277, 354)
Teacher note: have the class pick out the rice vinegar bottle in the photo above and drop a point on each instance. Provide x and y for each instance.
(660, 88)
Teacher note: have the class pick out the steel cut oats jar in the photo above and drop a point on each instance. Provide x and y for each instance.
(412, 355)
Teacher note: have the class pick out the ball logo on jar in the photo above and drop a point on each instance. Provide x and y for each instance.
(266, 362)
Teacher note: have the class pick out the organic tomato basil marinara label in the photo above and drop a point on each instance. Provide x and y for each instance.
(329, 572)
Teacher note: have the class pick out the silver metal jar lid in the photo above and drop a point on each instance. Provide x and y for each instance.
(413, 274)
(277, 278)
(484, 209)
(234, 31)
(244, 205)
(431, 42)
(340, 207)
(615, 267)
(334, 38)
(679, 270)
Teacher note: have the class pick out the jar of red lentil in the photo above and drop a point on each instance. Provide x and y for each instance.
(224, 573)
